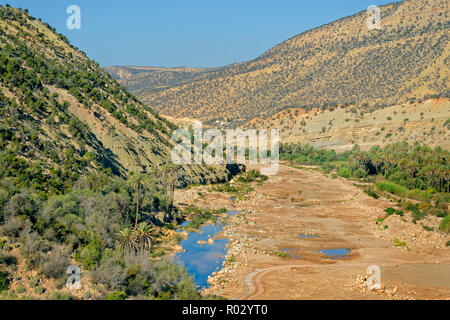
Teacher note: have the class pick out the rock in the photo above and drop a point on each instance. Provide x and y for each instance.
(395, 290)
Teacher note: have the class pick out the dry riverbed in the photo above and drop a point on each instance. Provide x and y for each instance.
(276, 242)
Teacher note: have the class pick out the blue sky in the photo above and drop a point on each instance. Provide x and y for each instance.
(193, 33)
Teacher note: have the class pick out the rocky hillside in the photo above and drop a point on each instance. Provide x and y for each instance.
(339, 63)
(425, 122)
(61, 112)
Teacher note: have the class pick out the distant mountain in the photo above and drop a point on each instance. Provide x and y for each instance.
(61, 112)
(140, 78)
(336, 64)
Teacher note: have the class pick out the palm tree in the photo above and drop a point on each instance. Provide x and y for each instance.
(144, 234)
(169, 179)
(167, 176)
(138, 180)
(126, 239)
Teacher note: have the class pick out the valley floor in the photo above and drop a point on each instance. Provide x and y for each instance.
(268, 259)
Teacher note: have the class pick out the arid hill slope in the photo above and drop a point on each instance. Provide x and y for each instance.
(339, 63)
(340, 128)
(59, 109)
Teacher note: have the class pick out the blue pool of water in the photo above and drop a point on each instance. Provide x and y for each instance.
(184, 224)
(201, 260)
(291, 252)
(307, 236)
(335, 253)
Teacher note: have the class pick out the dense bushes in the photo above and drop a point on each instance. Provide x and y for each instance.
(402, 191)
(4, 281)
(137, 275)
(406, 166)
(415, 172)
(83, 223)
(414, 167)
(307, 154)
(55, 263)
(345, 172)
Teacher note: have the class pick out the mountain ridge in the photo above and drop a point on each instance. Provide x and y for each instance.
(341, 62)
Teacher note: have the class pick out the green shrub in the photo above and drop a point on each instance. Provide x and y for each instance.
(20, 289)
(391, 188)
(4, 282)
(282, 254)
(399, 243)
(117, 295)
(442, 205)
(369, 191)
(55, 264)
(39, 290)
(416, 213)
(419, 195)
(34, 282)
(445, 224)
(402, 191)
(251, 176)
(345, 172)
(8, 260)
(391, 211)
(200, 216)
(61, 296)
(441, 214)
(360, 173)
(89, 255)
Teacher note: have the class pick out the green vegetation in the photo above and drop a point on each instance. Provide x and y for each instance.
(94, 223)
(201, 216)
(306, 154)
(402, 191)
(117, 295)
(4, 281)
(390, 212)
(414, 167)
(242, 185)
(370, 192)
(445, 224)
(415, 172)
(231, 259)
(399, 243)
(251, 176)
(281, 254)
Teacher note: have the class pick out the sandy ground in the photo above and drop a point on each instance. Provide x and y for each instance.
(296, 201)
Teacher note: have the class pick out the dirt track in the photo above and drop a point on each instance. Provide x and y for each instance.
(297, 202)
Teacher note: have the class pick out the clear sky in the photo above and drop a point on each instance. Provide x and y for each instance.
(192, 33)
